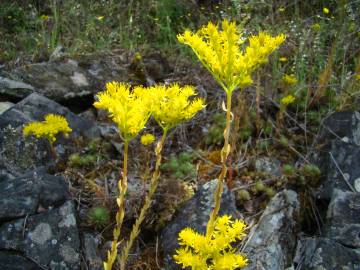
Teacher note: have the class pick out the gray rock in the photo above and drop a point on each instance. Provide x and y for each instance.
(195, 214)
(58, 54)
(20, 154)
(343, 126)
(325, 254)
(274, 240)
(11, 261)
(14, 89)
(5, 106)
(34, 107)
(268, 165)
(342, 221)
(342, 168)
(91, 252)
(50, 239)
(64, 79)
(26, 194)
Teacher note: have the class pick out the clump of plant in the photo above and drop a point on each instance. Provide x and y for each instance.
(214, 135)
(214, 251)
(98, 216)
(80, 161)
(222, 53)
(130, 109)
(49, 128)
(180, 166)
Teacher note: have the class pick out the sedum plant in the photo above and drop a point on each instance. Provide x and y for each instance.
(130, 109)
(212, 251)
(171, 105)
(221, 50)
(49, 128)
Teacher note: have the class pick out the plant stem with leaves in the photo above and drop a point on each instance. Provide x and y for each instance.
(153, 185)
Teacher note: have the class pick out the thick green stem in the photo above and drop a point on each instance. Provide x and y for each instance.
(224, 154)
(122, 187)
(153, 185)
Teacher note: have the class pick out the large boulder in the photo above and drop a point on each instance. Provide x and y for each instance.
(63, 80)
(342, 221)
(317, 253)
(195, 214)
(29, 193)
(341, 166)
(49, 239)
(273, 241)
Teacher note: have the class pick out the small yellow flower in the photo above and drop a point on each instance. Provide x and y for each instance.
(326, 10)
(290, 79)
(357, 77)
(138, 56)
(287, 100)
(171, 105)
(100, 18)
(49, 128)
(147, 139)
(44, 17)
(282, 9)
(316, 27)
(283, 59)
(205, 252)
(129, 109)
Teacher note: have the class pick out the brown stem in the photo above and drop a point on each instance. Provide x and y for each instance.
(224, 154)
(122, 187)
(153, 185)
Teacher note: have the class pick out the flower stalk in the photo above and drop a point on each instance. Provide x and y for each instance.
(224, 155)
(120, 200)
(153, 186)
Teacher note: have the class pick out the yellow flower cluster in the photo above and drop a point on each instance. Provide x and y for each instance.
(220, 52)
(290, 79)
(129, 109)
(49, 128)
(171, 104)
(146, 139)
(287, 100)
(214, 251)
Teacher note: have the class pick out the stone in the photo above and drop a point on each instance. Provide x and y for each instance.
(195, 214)
(269, 166)
(4, 106)
(343, 126)
(63, 79)
(20, 154)
(325, 254)
(14, 89)
(11, 261)
(49, 239)
(274, 239)
(91, 252)
(23, 195)
(342, 221)
(341, 164)
(57, 54)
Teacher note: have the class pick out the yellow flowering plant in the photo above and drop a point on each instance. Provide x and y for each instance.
(212, 251)
(170, 106)
(49, 128)
(147, 139)
(222, 53)
(130, 110)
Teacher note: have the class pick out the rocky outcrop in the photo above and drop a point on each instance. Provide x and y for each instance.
(273, 241)
(195, 214)
(21, 154)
